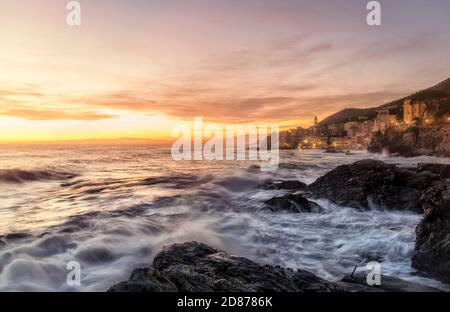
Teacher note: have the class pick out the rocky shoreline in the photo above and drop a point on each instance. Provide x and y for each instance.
(414, 141)
(197, 267)
(366, 184)
(193, 266)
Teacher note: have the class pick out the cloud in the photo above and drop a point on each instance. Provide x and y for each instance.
(37, 114)
(26, 102)
(19, 92)
(212, 105)
(382, 50)
(125, 99)
(280, 54)
(268, 83)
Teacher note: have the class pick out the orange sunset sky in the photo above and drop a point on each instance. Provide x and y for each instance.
(136, 68)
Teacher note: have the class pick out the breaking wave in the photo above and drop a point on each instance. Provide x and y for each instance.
(22, 176)
(127, 205)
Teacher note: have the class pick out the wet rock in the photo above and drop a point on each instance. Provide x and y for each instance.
(298, 166)
(432, 250)
(284, 185)
(193, 267)
(292, 203)
(367, 182)
(443, 170)
(387, 283)
(333, 151)
(14, 236)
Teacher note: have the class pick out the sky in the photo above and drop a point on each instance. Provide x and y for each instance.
(137, 68)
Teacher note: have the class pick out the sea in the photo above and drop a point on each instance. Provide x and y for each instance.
(112, 208)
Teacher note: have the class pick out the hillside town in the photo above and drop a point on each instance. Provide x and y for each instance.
(357, 132)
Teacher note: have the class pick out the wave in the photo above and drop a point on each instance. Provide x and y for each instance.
(178, 181)
(22, 176)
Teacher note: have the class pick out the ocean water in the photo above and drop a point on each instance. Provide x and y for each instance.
(112, 208)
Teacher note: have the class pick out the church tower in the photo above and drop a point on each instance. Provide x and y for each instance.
(316, 121)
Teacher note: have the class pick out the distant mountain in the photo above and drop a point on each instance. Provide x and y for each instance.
(440, 92)
(349, 114)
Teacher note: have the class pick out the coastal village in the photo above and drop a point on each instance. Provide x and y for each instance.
(357, 132)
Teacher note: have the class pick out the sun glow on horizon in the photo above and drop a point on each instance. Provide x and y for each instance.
(144, 127)
(135, 69)
(17, 130)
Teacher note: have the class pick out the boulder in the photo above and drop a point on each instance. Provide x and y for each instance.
(298, 166)
(196, 267)
(443, 170)
(432, 250)
(387, 283)
(292, 203)
(372, 182)
(285, 185)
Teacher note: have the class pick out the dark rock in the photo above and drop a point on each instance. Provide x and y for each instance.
(432, 251)
(292, 203)
(193, 267)
(14, 236)
(443, 170)
(393, 142)
(298, 166)
(333, 151)
(356, 287)
(414, 141)
(372, 181)
(285, 185)
(387, 283)
(145, 280)
(2, 243)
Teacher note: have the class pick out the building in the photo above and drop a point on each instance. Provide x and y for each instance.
(411, 111)
(384, 121)
(336, 130)
(283, 139)
(426, 111)
(342, 143)
(352, 128)
(366, 127)
(315, 127)
(358, 132)
(293, 138)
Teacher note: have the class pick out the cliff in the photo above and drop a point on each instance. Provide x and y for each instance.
(439, 92)
(429, 140)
